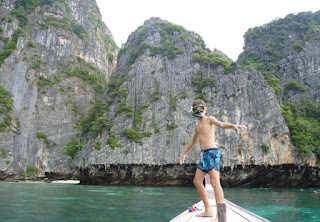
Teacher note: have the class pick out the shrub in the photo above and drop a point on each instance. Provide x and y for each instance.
(31, 44)
(293, 85)
(74, 178)
(147, 134)
(110, 57)
(45, 81)
(99, 125)
(7, 18)
(32, 171)
(6, 107)
(98, 144)
(132, 134)
(171, 126)
(296, 46)
(113, 142)
(3, 153)
(113, 87)
(124, 108)
(264, 148)
(138, 114)
(123, 92)
(22, 172)
(74, 147)
(21, 15)
(155, 96)
(91, 121)
(231, 68)
(202, 97)
(200, 83)
(173, 102)
(42, 135)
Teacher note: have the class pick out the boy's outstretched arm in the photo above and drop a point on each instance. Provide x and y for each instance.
(191, 145)
(226, 125)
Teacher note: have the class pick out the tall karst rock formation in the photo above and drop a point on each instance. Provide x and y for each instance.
(287, 52)
(55, 57)
(70, 103)
(160, 70)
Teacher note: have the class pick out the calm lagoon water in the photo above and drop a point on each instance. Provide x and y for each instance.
(62, 202)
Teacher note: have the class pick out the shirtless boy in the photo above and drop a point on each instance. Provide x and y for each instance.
(210, 154)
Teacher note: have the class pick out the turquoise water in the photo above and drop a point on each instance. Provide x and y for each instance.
(62, 202)
(285, 205)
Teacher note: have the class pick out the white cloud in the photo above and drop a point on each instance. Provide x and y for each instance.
(221, 24)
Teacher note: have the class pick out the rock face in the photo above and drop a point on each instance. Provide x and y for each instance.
(288, 47)
(160, 70)
(302, 68)
(58, 62)
(62, 54)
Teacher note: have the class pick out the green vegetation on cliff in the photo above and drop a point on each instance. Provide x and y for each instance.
(303, 120)
(32, 171)
(10, 45)
(68, 24)
(276, 39)
(208, 58)
(24, 7)
(6, 108)
(200, 82)
(42, 135)
(97, 120)
(87, 72)
(264, 47)
(171, 37)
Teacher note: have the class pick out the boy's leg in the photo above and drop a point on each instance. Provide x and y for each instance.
(198, 179)
(218, 192)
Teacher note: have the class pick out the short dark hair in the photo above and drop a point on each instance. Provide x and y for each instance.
(198, 102)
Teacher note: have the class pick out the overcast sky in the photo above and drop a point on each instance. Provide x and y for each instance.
(221, 24)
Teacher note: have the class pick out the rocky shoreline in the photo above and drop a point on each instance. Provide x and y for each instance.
(250, 176)
(284, 176)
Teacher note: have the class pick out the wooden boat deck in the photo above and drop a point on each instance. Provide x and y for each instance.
(234, 213)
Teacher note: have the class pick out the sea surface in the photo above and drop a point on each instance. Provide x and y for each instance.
(63, 202)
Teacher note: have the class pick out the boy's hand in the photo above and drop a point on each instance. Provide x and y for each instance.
(240, 127)
(182, 159)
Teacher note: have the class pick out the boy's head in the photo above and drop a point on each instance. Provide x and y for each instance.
(199, 102)
(199, 108)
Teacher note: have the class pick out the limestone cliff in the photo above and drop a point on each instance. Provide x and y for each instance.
(56, 57)
(303, 69)
(70, 103)
(162, 68)
(286, 51)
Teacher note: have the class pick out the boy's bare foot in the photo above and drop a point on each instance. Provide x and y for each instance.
(215, 220)
(205, 214)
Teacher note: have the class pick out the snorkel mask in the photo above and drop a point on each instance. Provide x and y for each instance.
(197, 110)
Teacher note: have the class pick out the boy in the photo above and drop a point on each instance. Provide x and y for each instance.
(210, 154)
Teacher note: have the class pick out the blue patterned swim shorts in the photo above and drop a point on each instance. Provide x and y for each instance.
(210, 159)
